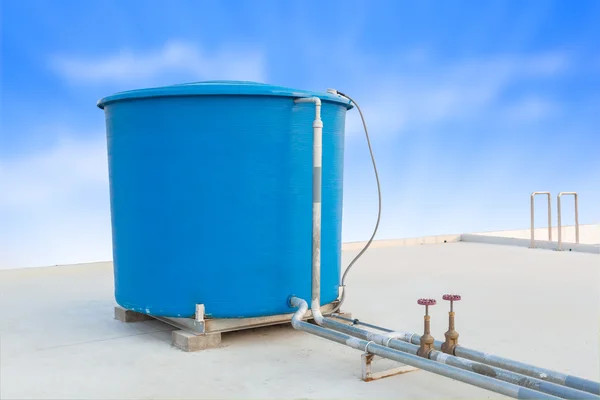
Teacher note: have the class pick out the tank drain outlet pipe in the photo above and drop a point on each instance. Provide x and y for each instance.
(315, 304)
(471, 378)
(390, 340)
(544, 374)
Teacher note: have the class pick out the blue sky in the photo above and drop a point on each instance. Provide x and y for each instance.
(471, 105)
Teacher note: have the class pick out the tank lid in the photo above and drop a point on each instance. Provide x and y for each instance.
(243, 88)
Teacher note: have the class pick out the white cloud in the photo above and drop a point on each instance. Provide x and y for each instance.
(53, 175)
(531, 109)
(54, 205)
(174, 57)
(430, 93)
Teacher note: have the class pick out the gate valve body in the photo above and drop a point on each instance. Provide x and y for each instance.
(426, 340)
(451, 335)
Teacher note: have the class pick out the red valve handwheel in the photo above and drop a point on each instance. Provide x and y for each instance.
(426, 302)
(452, 297)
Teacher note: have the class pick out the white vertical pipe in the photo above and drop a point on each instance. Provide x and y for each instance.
(315, 305)
(559, 222)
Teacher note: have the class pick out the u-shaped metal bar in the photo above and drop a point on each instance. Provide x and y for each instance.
(559, 217)
(549, 218)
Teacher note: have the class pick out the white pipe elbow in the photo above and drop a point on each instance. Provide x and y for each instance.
(315, 309)
(299, 314)
(317, 101)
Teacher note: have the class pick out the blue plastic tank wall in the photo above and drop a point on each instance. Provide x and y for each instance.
(211, 197)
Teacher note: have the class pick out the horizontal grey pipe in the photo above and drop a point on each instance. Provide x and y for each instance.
(505, 363)
(526, 369)
(469, 365)
(471, 378)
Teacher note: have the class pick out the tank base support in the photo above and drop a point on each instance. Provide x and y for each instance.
(200, 333)
(189, 342)
(203, 325)
(125, 315)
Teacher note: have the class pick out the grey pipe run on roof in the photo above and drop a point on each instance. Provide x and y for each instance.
(389, 340)
(482, 381)
(543, 374)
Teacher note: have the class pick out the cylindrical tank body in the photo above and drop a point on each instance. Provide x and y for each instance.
(211, 197)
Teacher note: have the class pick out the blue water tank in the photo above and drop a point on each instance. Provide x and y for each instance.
(211, 197)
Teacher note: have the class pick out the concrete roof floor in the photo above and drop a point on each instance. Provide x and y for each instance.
(59, 338)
